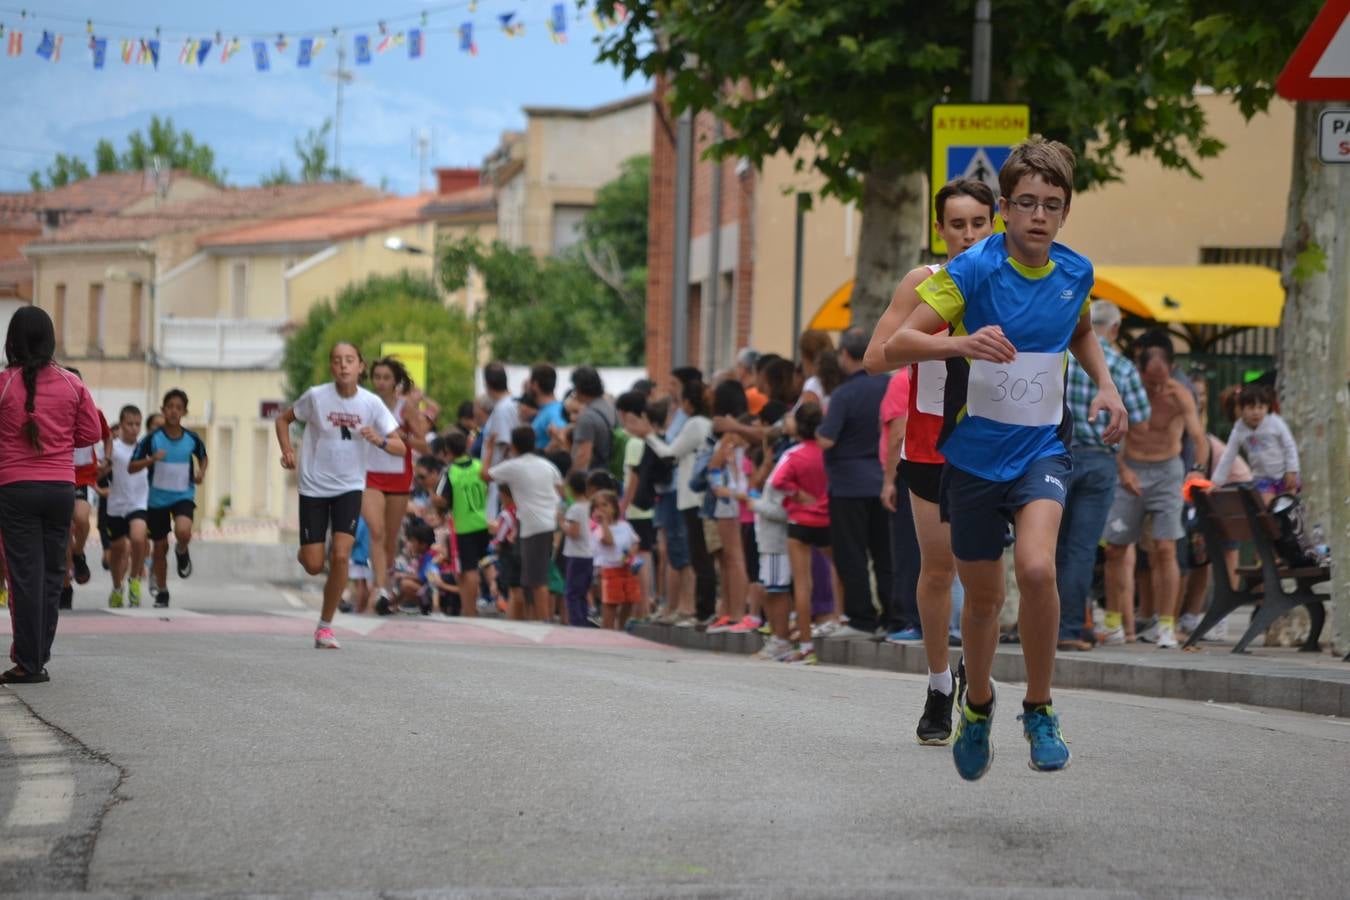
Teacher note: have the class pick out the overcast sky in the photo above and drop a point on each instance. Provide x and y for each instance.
(251, 118)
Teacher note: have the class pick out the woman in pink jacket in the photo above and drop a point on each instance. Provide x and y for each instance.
(45, 413)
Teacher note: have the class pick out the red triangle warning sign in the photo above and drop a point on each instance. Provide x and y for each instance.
(1320, 66)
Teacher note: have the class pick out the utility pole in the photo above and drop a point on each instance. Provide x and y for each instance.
(343, 76)
(981, 54)
(684, 179)
(798, 254)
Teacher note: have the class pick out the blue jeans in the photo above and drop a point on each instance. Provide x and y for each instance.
(1092, 486)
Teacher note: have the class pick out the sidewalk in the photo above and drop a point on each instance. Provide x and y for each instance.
(1317, 683)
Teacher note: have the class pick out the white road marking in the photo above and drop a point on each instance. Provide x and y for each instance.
(17, 849)
(533, 631)
(149, 612)
(362, 625)
(37, 769)
(42, 801)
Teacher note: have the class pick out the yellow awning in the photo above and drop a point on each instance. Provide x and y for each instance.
(834, 314)
(1195, 295)
(1239, 295)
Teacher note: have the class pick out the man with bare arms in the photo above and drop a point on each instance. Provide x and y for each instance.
(1151, 476)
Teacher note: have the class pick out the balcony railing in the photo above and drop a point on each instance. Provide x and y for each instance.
(220, 343)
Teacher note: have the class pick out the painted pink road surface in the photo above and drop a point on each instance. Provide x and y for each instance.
(487, 631)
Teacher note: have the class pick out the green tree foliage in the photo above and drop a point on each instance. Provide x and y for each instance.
(312, 153)
(161, 141)
(63, 170)
(400, 308)
(848, 84)
(587, 305)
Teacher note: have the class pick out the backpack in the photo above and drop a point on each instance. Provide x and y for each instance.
(1293, 545)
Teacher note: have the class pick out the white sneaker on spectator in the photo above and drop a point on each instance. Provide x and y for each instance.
(824, 629)
(1109, 636)
(773, 650)
(849, 633)
(1167, 637)
(1150, 634)
(1218, 631)
(1188, 622)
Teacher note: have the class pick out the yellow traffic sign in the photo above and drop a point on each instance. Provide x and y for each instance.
(972, 140)
(413, 357)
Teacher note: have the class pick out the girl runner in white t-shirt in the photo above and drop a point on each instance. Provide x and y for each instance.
(389, 478)
(340, 418)
(128, 499)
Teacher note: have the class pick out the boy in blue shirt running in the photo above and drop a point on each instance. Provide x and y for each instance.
(176, 458)
(1014, 303)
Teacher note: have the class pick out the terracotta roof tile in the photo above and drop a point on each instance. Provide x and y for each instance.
(331, 225)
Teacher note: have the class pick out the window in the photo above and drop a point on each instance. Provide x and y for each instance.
(239, 290)
(95, 339)
(59, 318)
(134, 345)
(567, 221)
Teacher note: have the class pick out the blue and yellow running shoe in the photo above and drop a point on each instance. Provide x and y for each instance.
(1049, 753)
(972, 750)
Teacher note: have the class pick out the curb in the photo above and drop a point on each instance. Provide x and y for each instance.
(1305, 693)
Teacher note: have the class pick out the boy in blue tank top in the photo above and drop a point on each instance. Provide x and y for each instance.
(1014, 304)
(176, 458)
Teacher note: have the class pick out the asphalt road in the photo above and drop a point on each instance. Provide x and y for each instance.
(442, 758)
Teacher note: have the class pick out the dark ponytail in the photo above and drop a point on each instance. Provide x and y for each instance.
(30, 344)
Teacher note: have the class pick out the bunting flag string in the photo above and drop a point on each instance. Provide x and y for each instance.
(366, 43)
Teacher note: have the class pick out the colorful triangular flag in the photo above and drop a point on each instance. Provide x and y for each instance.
(45, 46)
(228, 48)
(362, 44)
(511, 27)
(15, 47)
(150, 52)
(415, 43)
(188, 53)
(56, 47)
(466, 43)
(306, 53)
(99, 47)
(260, 56)
(203, 50)
(127, 47)
(319, 44)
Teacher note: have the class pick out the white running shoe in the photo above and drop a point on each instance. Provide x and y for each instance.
(773, 650)
(1167, 637)
(1150, 634)
(1188, 622)
(1111, 636)
(1218, 632)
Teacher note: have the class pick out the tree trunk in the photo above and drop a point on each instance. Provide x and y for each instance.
(889, 242)
(1312, 363)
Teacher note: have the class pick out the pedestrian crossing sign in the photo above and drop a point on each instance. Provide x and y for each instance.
(972, 140)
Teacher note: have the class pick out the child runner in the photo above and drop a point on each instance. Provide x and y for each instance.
(1271, 451)
(1016, 302)
(169, 453)
(128, 499)
(578, 553)
(389, 479)
(800, 477)
(965, 216)
(337, 416)
(90, 464)
(615, 549)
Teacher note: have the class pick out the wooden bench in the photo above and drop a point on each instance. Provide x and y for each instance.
(1237, 514)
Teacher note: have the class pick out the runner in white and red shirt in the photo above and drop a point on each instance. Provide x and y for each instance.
(389, 479)
(965, 215)
(91, 464)
(342, 420)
